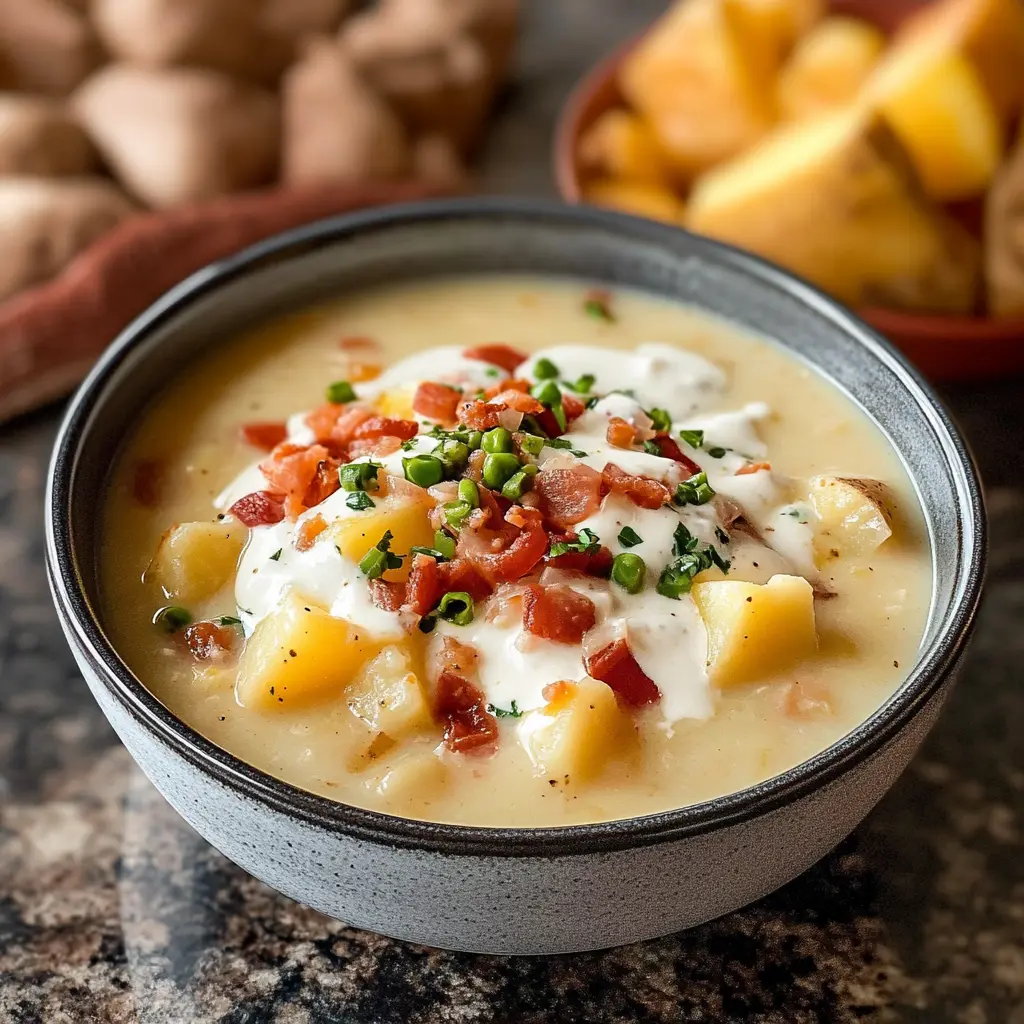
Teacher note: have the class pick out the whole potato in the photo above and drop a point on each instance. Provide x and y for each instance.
(38, 136)
(45, 46)
(336, 129)
(173, 135)
(46, 222)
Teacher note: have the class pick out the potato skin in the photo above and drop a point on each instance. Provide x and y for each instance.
(39, 138)
(175, 135)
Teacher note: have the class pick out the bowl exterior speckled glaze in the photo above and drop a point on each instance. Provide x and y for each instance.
(493, 889)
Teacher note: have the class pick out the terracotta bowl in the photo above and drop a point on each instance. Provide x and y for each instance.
(944, 347)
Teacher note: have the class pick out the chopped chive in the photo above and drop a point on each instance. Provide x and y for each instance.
(694, 491)
(547, 393)
(444, 544)
(544, 369)
(496, 440)
(519, 483)
(683, 542)
(492, 371)
(435, 553)
(379, 558)
(530, 443)
(629, 538)
(276, 556)
(662, 419)
(694, 438)
(359, 501)
(457, 607)
(423, 470)
(629, 571)
(717, 453)
(512, 711)
(359, 476)
(583, 384)
(498, 469)
(341, 392)
(172, 618)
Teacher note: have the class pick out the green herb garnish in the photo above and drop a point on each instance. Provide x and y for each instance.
(662, 420)
(566, 445)
(544, 369)
(359, 501)
(586, 542)
(510, 712)
(581, 385)
(596, 305)
(457, 607)
(717, 453)
(629, 538)
(694, 438)
(359, 476)
(492, 371)
(694, 491)
(228, 620)
(172, 618)
(341, 392)
(723, 537)
(379, 558)
(652, 448)
(436, 553)
(276, 556)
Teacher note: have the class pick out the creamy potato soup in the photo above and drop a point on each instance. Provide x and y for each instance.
(512, 552)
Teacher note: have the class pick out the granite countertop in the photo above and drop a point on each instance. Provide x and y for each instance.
(113, 910)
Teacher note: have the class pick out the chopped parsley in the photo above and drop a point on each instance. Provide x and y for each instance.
(694, 438)
(492, 371)
(341, 392)
(510, 712)
(629, 538)
(565, 444)
(587, 542)
(359, 501)
(662, 419)
(582, 384)
(359, 476)
(435, 553)
(717, 453)
(379, 558)
(652, 448)
(683, 542)
(276, 556)
(677, 577)
(694, 491)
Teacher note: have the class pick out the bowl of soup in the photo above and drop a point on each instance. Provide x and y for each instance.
(512, 577)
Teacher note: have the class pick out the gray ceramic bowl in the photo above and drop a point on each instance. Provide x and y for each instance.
(515, 890)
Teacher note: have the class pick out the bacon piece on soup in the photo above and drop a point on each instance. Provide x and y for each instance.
(520, 401)
(620, 433)
(505, 356)
(557, 613)
(387, 594)
(264, 434)
(423, 590)
(509, 384)
(461, 575)
(641, 490)
(208, 639)
(592, 563)
(500, 559)
(436, 402)
(261, 508)
(615, 665)
(572, 407)
(568, 496)
(376, 448)
(147, 482)
(670, 450)
(477, 415)
(460, 704)
(381, 426)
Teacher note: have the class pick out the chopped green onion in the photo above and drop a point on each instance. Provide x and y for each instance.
(582, 385)
(469, 492)
(172, 618)
(547, 393)
(379, 559)
(694, 438)
(512, 711)
(359, 476)
(629, 538)
(492, 371)
(586, 542)
(435, 553)
(530, 443)
(276, 556)
(694, 491)
(662, 419)
(544, 369)
(683, 542)
(423, 470)
(519, 483)
(717, 453)
(444, 543)
(341, 392)
(228, 620)
(455, 512)
(496, 440)
(565, 444)
(596, 305)
(456, 606)
(674, 582)
(411, 445)
(498, 469)
(359, 501)
(652, 448)
(629, 571)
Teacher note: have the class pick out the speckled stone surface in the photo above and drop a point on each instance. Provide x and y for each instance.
(113, 910)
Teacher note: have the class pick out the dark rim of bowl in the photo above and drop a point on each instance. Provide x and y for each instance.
(870, 735)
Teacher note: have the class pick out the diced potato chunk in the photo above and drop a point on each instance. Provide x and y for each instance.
(412, 782)
(834, 199)
(397, 403)
(769, 28)
(299, 655)
(828, 67)
(405, 517)
(620, 144)
(578, 733)
(695, 82)
(937, 105)
(388, 696)
(653, 201)
(194, 560)
(854, 515)
(756, 630)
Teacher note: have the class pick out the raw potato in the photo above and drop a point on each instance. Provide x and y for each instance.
(38, 137)
(300, 655)
(224, 35)
(575, 736)
(194, 560)
(694, 80)
(412, 781)
(45, 222)
(335, 128)
(654, 201)
(1004, 237)
(756, 630)
(854, 515)
(621, 145)
(181, 134)
(937, 105)
(388, 695)
(828, 67)
(405, 518)
(834, 199)
(989, 33)
(45, 46)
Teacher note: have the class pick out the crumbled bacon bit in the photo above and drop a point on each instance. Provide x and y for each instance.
(377, 447)
(597, 563)
(436, 402)
(387, 594)
(641, 490)
(568, 496)
(458, 701)
(509, 384)
(335, 424)
(207, 640)
(670, 450)
(303, 473)
(261, 508)
(524, 403)
(309, 531)
(424, 588)
(264, 434)
(147, 482)
(359, 372)
(572, 407)
(557, 613)
(496, 557)
(548, 423)
(620, 433)
(383, 426)
(753, 467)
(615, 665)
(324, 483)
(461, 575)
(505, 356)
(477, 415)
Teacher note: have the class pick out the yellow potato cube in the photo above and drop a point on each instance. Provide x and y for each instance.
(770, 28)
(298, 656)
(653, 201)
(620, 144)
(694, 80)
(578, 733)
(756, 630)
(388, 696)
(937, 105)
(828, 67)
(405, 517)
(412, 782)
(396, 402)
(854, 515)
(194, 560)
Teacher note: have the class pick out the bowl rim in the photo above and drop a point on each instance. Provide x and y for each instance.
(82, 626)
